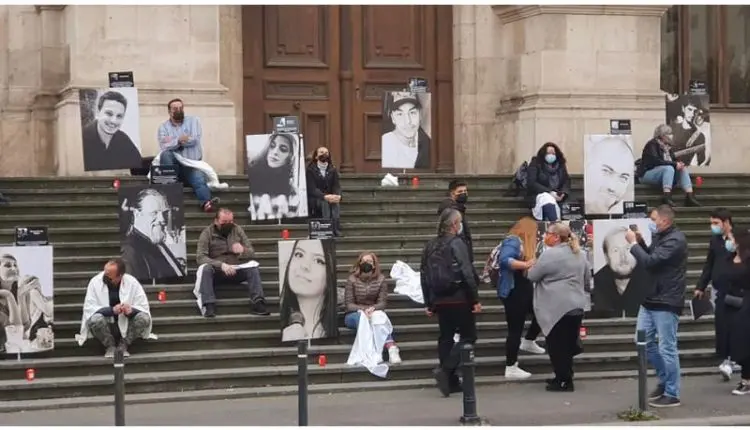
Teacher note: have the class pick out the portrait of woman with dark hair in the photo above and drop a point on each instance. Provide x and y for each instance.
(307, 280)
(276, 175)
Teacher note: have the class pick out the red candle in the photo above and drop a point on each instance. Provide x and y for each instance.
(583, 333)
(322, 360)
(285, 234)
(30, 374)
(415, 182)
(162, 296)
(699, 181)
(116, 184)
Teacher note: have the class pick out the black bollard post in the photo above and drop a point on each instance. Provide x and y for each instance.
(119, 365)
(642, 369)
(470, 416)
(302, 382)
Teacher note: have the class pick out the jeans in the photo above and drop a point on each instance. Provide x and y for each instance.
(188, 176)
(563, 345)
(211, 277)
(351, 321)
(452, 318)
(549, 212)
(330, 211)
(661, 347)
(664, 176)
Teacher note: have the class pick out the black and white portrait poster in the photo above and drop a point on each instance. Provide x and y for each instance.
(110, 128)
(26, 299)
(152, 231)
(620, 285)
(307, 287)
(688, 115)
(276, 172)
(577, 227)
(407, 130)
(608, 174)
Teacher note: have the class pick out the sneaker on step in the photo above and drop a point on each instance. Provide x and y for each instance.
(657, 393)
(725, 369)
(110, 352)
(394, 356)
(665, 402)
(532, 347)
(742, 389)
(515, 372)
(259, 308)
(209, 310)
(124, 348)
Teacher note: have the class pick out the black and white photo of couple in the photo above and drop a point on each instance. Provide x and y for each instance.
(689, 117)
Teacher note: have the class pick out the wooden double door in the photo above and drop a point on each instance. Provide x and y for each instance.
(329, 65)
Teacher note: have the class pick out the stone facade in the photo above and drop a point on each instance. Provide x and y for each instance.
(523, 75)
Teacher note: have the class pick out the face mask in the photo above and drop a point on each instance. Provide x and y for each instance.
(729, 246)
(365, 267)
(652, 227)
(324, 158)
(550, 158)
(715, 229)
(179, 115)
(225, 229)
(460, 228)
(462, 198)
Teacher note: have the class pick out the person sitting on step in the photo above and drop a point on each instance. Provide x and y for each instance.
(367, 290)
(222, 247)
(324, 188)
(659, 166)
(548, 182)
(116, 310)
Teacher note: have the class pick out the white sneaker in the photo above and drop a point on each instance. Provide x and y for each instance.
(110, 353)
(725, 369)
(532, 347)
(515, 372)
(393, 355)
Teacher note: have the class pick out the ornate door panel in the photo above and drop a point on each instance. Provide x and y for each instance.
(291, 65)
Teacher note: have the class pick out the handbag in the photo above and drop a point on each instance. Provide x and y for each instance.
(733, 301)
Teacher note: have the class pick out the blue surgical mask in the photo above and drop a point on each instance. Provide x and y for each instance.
(729, 245)
(460, 228)
(715, 229)
(652, 226)
(550, 158)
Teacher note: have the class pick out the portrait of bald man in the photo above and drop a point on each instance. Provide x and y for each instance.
(620, 285)
(608, 174)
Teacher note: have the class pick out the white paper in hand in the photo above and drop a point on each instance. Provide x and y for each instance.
(249, 265)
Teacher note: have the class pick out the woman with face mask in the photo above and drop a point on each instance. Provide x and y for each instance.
(548, 183)
(560, 274)
(737, 298)
(367, 291)
(324, 188)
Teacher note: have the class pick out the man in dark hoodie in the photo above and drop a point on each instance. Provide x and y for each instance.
(458, 195)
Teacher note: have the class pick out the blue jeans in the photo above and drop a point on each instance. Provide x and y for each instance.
(661, 347)
(549, 212)
(664, 176)
(189, 176)
(351, 321)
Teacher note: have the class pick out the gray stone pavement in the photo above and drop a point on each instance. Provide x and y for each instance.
(508, 404)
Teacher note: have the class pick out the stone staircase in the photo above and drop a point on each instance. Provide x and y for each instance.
(240, 355)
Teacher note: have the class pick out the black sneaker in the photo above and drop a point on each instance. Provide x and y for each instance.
(443, 382)
(561, 387)
(210, 310)
(259, 308)
(455, 385)
(742, 389)
(665, 402)
(658, 392)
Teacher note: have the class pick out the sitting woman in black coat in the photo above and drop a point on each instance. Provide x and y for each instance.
(323, 188)
(548, 183)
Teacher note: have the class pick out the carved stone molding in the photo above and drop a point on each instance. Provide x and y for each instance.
(508, 14)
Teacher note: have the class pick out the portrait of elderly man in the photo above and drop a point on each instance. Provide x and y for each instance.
(620, 285)
(153, 246)
(405, 142)
(608, 175)
(688, 115)
(105, 145)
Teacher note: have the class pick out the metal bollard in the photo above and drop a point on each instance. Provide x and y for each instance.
(642, 369)
(302, 382)
(470, 416)
(119, 365)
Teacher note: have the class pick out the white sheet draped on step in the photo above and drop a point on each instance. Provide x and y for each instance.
(212, 179)
(367, 350)
(541, 200)
(408, 282)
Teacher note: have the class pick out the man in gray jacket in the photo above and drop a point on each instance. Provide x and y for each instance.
(666, 262)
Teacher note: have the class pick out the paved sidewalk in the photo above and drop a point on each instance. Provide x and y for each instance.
(515, 404)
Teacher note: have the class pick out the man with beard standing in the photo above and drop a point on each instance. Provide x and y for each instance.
(458, 195)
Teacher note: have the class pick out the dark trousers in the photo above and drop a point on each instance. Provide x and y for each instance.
(519, 304)
(211, 277)
(330, 211)
(452, 319)
(723, 320)
(563, 345)
(745, 373)
(549, 212)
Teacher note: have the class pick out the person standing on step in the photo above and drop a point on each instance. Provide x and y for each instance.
(659, 316)
(450, 290)
(222, 246)
(367, 290)
(721, 252)
(515, 258)
(548, 182)
(115, 310)
(560, 275)
(458, 196)
(738, 297)
(659, 166)
(324, 188)
(183, 135)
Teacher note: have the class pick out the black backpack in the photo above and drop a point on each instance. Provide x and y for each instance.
(439, 271)
(519, 180)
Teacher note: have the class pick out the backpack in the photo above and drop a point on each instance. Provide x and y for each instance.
(491, 272)
(519, 180)
(439, 272)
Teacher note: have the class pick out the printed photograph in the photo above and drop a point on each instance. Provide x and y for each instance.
(110, 128)
(689, 117)
(276, 174)
(152, 231)
(620, 285)
(307, 287)
(407, 130)
(26, 299)
(608, 174)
